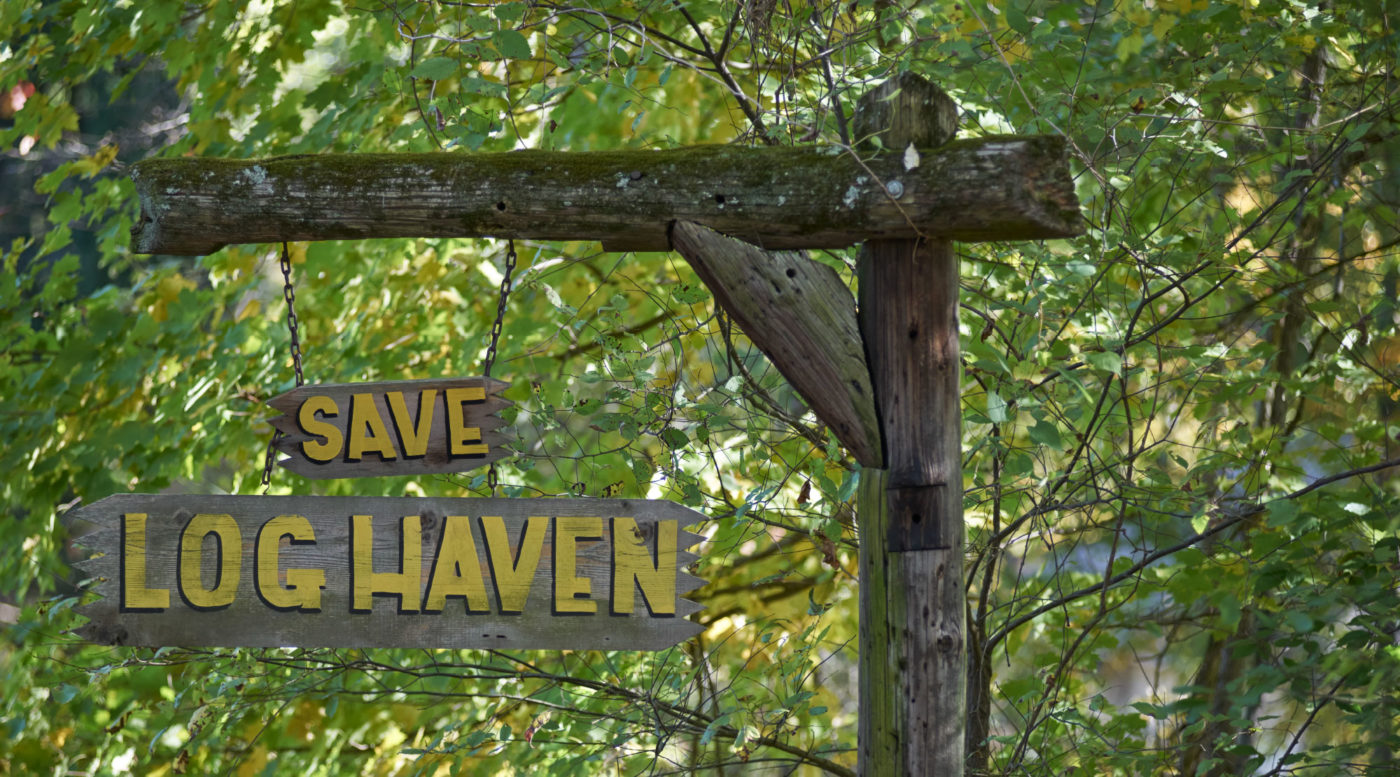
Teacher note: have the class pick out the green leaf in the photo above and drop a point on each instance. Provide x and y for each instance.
(1104, 361)
(1299, 621)
(848, 486)
(510, 12)
(435, 69)
(1081, 268)
(1047, 434)
(675, 438)
(1200, 521)
(996, 408)
(511, 44)
(1282, 512)
(1153, 710)
(714, 726)
(1016, 18)
(689, 293)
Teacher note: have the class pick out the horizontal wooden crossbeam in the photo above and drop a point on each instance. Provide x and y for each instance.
(994, 188)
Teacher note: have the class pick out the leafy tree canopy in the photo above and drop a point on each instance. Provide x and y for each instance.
(1179, 429)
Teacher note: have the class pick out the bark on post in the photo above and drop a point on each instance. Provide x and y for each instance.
(912, 612)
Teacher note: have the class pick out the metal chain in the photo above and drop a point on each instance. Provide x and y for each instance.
(293, 326)
(491, 479)
(290, 295)
(501, 306)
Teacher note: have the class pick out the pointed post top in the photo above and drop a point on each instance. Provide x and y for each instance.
(903, 110)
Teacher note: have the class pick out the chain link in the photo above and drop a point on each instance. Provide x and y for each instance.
(501, 306)
(290, 295)
(491, 479)
(269, 459)
(293, 326)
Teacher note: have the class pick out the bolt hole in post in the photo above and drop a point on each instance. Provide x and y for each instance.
(500, 206)
(791, 273)
(719, 199)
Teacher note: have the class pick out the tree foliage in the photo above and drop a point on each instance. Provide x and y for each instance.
(1179, 429)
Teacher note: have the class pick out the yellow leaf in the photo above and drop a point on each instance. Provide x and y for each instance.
(1304, 43)
(1162, 25)
(250, 310)
(170, 287)
(1015, 51)
(1129, 46)
(96, 163)
(240, 262)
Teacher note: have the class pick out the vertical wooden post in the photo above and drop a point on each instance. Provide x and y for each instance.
(912, 610)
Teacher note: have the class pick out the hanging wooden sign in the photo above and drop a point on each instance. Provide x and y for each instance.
(402, 427)
(320, 571)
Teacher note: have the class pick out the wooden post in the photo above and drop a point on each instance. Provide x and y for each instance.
(912, 611)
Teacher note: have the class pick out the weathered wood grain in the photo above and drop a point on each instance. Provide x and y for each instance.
(912, 633)
(913, 710)
(903, 111)
(327, 433)
(994, 188)
(803, 318)
(472, 567)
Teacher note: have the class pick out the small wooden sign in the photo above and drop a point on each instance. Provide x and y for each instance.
(401, 427)
(319, 571)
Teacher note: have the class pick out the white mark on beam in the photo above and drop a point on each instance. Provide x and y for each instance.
(257, 176)
(852, 194)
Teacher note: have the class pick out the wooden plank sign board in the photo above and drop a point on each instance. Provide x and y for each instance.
(321, 571)
(402, 427)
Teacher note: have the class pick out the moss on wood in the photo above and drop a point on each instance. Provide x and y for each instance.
(1009, 187)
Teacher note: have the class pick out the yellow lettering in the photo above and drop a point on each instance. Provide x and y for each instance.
(632, 567)
(136, 597)
(571, 591)
(413, 439)
(513, 579)
(364, 417)
(456, 569)
(303, 587)
(365, 583)
(228, 555)
(463, 440)
(320, 405)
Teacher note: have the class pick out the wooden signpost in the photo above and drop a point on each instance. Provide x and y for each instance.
(407, 427)
(883, 374)
(320, 571)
